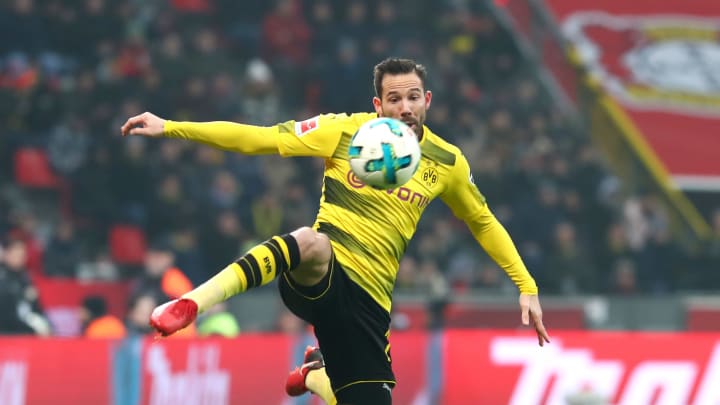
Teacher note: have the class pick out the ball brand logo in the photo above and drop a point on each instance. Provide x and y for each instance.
(354, 180)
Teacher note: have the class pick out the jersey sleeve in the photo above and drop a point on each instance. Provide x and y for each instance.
(461, 194)
(317, 136)
(468, 204)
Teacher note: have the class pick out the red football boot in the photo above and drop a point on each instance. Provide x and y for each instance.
(295, 384)
(174, 315)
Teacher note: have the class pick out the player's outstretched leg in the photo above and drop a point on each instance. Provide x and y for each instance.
(311, 376)
(305, 252)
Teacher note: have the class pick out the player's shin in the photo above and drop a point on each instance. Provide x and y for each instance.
(259, 266)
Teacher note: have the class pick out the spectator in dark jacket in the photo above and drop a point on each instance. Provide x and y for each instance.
(20, 311)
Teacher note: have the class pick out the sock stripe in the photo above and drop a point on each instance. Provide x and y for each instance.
(242, 278)
(275, 249)
(293, 250)
(246, 266)
(255, 269)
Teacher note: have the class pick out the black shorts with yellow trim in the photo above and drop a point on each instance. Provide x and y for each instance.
(351, 327)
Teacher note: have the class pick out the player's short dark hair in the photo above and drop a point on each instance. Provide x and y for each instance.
(396, 66)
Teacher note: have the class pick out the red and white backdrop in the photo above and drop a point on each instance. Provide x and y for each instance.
(659, 61)
(461, 366)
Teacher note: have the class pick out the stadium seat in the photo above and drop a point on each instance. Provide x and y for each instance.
(32, 169)
(703, 319)
(127, 244)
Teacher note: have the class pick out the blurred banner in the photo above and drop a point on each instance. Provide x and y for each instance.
(659, 61)
(62, 298)
(644, 76)
(451, 367)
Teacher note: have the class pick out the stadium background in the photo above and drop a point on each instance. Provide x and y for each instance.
(620, 256)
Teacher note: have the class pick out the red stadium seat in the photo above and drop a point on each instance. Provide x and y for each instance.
(32, 169)
(705, 319)
(127, 244)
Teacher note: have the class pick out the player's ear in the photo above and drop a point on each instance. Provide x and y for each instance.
(378, 105)
(428, 99)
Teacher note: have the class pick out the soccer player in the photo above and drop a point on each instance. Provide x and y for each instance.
(338, 275)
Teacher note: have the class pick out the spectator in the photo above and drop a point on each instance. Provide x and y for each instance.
(188, 255)
(169, 208)
(286, 46)
(20, 308)
(140, 307)
(160, 276)
(97, 322)
(99, 268)
(572, 269)
(20, 20)
(624, 278)
(260, 102)
(63, 254)
(286, 35)
(218, 321)
(223, 238)
(93, 203)
(267, 213)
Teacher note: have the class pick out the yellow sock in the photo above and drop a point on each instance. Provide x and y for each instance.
(259, 266)
(318, 383)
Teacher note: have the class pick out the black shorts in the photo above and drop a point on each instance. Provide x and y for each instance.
(350, 326)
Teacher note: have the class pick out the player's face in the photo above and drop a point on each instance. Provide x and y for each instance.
(403, 97)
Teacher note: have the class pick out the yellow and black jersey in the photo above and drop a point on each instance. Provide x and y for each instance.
(370, 229)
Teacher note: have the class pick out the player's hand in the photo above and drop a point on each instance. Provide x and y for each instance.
(174, 315)
(145, 124)
(530, 307)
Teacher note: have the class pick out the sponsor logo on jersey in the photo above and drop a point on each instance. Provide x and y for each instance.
(354, 180)
(303, 128)
(402, 193)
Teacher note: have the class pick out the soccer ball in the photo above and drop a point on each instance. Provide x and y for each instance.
(384, 153)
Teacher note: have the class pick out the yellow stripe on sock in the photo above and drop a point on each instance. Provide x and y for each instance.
(266, 261)
(240, 274)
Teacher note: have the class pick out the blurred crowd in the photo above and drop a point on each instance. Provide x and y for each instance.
(72, 72)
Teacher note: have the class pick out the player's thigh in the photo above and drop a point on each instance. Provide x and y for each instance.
(315, 255)
(371, 393)
(311, 302)
(350, 326)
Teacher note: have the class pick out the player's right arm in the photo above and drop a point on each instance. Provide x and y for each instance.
(247, 139)
(316, 136)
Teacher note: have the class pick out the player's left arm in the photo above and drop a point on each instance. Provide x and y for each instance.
(468, 204)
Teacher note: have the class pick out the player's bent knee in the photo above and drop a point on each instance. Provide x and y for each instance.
(314, 246)
(315, 254)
